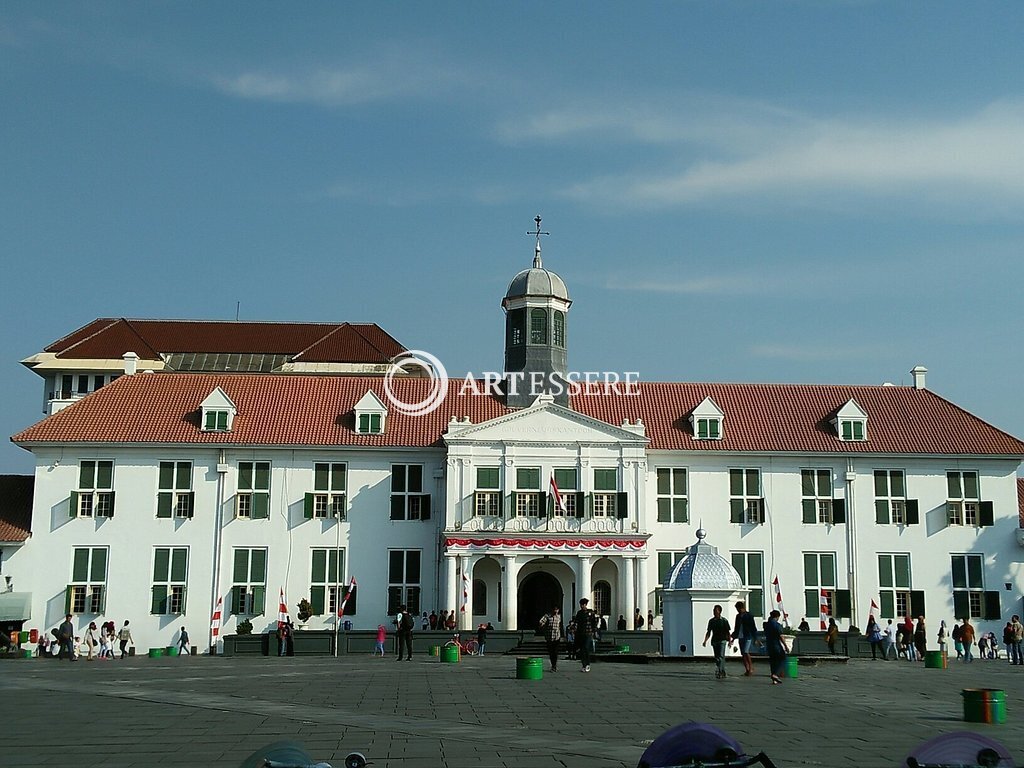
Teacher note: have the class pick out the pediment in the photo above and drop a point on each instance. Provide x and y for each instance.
(539, 424)
(370, 403)
(708, 408)
(851, 411)
(218, 400)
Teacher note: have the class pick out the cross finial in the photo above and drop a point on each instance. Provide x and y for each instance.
(536, 251)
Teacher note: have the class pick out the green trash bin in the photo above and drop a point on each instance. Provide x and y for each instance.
(172, 650)
(435, 650)
(156, 653)
(450, 654)
(934, 660)
(984, 705)
(26, 653)
(529, 669)
(789, 669)
(622, 649)
(22, 638)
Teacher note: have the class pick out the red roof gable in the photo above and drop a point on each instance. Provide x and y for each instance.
(110, 338)
(16, 507)
(317, 410)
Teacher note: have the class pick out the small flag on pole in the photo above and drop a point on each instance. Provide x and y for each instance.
(282, 611)
(345, 599)
(215, 619)
(556, 495)
(874, 605)
(825, 613)
(465, 592)
(778, 601)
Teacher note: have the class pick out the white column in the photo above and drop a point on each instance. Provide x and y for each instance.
(641, 587)
(583, 587)
(465, 583)
(510, 593)
(628, 593)
(450, 578)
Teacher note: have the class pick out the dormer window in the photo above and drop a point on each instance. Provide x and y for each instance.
(851, 422)
(371, 415)
(706, 420)
(218, 412)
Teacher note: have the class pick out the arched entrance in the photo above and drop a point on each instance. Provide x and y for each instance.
(538, 594)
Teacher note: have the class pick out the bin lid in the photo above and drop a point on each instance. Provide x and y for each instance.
(15, 606)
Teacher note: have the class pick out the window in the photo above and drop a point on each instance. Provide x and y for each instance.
(852, 429)
(964, 505)
(403, 580)
(170, 578)
(672, 500)
(817, 501)
(606, 485)
(253, 499)
(95, 494)
(558, 329)
(538, 326)
(249, 587)
(666, 562)
(215, 420)
(515, 322)
(709, 429)
(369, 424)
(746, 505)
(602, 598)
(479, 597)
(897, 599)
(568, 489)
(327, 573)
(891, 503)
(487, 497)
(328, 497)
(527, 499)
(969, 596)
(87, 592)
(820, 583)
(750, 567)
(175, 497)
(408, 501)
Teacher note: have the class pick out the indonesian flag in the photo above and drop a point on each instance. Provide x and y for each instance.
(778, 601)
(344, 601)
(874, 605)
(559, 501)
(282, 611)
(465, 592)
(215, 619)
(824, 609)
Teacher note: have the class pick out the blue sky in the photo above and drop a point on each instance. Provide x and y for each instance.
(785, 192)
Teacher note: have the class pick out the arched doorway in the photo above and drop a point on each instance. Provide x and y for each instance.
(538, 594)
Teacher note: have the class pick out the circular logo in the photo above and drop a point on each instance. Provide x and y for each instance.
(416, 362)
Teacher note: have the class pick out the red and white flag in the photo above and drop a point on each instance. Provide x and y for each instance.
(465, 592)
(825, 613)
(282, 611)
(874, 606)
(215, 621)
(778, 601)
(345, 599)
(556, 495)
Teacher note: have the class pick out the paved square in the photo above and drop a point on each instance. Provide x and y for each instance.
(215, 711)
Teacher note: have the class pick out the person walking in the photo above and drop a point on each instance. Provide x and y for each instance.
(874, 635)
(66, 639)
(424, 621)
(105, 647)
(638, 619)
(942, 637)
(183, 642)
(551, 626)
(744, 633)
(432, 619)
(920, 638)
(1015, 648)
(958, 638)
(776, 645)
(831, 635)
(908, 638)
(404, 626)
(718, 632)
(382, 636)
(586, 631)
(91, 640)
(570, 640)
(889, 641)
(450, 622)
(481, 638)
(650, 619)
(967, 638)
(124, 637)
(620, 625)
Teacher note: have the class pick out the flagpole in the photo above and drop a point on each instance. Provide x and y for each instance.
(337, 582)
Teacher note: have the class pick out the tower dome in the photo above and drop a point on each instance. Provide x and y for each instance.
(704, 568)
(537, 282)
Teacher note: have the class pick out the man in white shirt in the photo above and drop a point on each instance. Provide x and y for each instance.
(890, 640)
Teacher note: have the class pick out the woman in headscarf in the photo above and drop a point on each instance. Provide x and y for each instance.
(920, 638)
(908, 633)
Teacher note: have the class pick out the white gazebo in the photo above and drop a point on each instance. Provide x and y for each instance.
(696, 584)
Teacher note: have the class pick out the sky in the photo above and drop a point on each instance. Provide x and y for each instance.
(801, 192)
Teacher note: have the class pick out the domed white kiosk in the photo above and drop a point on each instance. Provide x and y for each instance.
(696, 584)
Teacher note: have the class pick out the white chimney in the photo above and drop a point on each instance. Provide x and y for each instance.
(918, 372)
(131, 363)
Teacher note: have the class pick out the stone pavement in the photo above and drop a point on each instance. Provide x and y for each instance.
(215, 711)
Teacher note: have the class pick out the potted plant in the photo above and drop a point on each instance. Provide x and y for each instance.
(243, 627)
(304, 613)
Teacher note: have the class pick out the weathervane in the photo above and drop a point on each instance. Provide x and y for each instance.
(536, 252)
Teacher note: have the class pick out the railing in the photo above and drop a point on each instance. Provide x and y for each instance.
(548, 525)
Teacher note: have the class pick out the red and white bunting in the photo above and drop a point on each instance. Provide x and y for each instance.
(465, 592)
(282, 611)
(825, 613)
(556, 495)
(344, 600)
(215, 621)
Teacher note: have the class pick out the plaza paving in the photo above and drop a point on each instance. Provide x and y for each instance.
(215, 711)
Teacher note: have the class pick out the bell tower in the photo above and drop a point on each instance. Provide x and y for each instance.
(536, 308)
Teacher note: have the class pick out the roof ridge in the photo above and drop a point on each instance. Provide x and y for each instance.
(963, 410)
(141, 338)
(363, 336)
(321, 340)
(111, 322)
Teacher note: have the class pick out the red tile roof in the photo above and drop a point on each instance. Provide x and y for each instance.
(16, 507)
(317, 410)
(110, 338)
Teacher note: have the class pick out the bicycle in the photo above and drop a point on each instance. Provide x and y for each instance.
(469, 648)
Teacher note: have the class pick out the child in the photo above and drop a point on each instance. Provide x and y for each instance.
(104, 646)
(382, 635)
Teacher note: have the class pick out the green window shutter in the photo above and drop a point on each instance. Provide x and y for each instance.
(110, 513)
(881, 483)
(841, 604)
(581, 503)
(68, 591)
(183, 476)
(80, 565)
(588, 507)
(222, 421)
(542, 505)
(702, 429)
(161, 563)
(838, 511)
(986, 514)
(425, 507)
(917, 603)
(164, 502)
(913, 513)
(959, 564)
(810, 569)
(901, 564)
(319, 569)
(307, 506)
(73, 505)
(397, 507)
(858, 430)
(714, 429)
(210, 422)
(953, 489)
(664, 566)
(236, 600)
(664, 481)
(511, 504)
(166, 475)
(333, 573)
(191, 504)
(364, 423)
(885, 580)
(87, 475)
(240, 573)
(735, 510)
(882, 511)
(961, 605)
(179, 565)
(888, 609)
(338, 479)
(735, 482)
(321, 477)
(104, 474)
(847, 430)
(184, 599)
(258, 571)
(375, 423)
(971, 485)
(664, 510)
(810, 511)
(812, 606)
(159, 604)
(318, 597)
(260, 506)
(259, 599)
(263, 475)
(681, 510)
(245, 476)
(990, 608)
(622, 505)
(974, 578)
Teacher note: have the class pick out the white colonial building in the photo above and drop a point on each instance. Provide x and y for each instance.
(160, 493)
